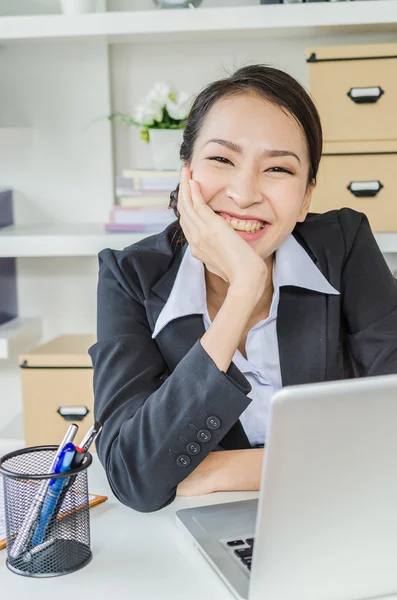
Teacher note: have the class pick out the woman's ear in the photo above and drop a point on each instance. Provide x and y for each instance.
(306, 202)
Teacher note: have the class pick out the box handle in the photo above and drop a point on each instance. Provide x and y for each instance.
(73, 413)
(366, 95)
(364, 189)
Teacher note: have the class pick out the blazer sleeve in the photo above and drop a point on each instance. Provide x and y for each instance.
(149, 415)
(369, 295)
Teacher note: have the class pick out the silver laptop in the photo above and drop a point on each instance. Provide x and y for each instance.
(325, 525)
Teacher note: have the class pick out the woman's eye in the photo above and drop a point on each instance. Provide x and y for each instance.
(280, 170)
(219, 159)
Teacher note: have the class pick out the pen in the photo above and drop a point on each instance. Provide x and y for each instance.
(86, 442)
(29, 522)
(53, 491)
(78, 458)
(40, 548)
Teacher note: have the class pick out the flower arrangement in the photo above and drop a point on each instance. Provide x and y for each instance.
(164, 107)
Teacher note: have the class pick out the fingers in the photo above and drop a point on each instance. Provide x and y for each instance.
(186, 205)
(196, 217)
(189, 221)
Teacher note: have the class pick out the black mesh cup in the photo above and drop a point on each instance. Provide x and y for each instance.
(40, 543)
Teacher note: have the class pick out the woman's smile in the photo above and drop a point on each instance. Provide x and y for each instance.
(250, 229)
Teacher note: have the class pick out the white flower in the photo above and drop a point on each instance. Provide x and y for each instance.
(145, 114)
(180, 108)
(161, 92)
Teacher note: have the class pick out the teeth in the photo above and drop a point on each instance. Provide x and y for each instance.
(247, 226)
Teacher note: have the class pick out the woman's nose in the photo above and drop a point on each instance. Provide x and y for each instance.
(244, 190)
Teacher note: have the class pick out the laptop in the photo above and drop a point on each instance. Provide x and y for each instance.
(325, 524)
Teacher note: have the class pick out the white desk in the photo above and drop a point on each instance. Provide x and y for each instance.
(136, 556)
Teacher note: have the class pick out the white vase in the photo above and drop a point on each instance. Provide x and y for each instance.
(165, 145)
(78, 7)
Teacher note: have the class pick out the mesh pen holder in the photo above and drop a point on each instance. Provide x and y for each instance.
(38, 546)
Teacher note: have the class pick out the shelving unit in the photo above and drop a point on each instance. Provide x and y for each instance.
(203, 23)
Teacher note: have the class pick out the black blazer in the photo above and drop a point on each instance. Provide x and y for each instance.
(153, 397)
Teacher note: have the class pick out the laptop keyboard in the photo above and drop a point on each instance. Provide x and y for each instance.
(243, 550)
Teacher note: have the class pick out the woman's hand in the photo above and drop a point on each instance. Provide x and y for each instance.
(213, 241)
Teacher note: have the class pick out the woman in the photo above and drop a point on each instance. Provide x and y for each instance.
(246, 293)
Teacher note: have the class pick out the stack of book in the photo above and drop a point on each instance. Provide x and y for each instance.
(142, 199)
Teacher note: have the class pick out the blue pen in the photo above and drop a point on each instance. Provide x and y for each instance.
(54, 489)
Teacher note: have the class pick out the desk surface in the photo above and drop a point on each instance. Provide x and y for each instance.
(135, 555)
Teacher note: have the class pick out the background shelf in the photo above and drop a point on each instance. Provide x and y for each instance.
(204, 23)
(62, 240)
(88, 239)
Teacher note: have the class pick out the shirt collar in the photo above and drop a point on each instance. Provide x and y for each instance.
(293, 266)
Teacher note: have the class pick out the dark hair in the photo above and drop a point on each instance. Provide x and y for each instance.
(274, 85)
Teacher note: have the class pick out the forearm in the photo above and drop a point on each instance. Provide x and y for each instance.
(237, 469)
(223, 471)
(222, 338)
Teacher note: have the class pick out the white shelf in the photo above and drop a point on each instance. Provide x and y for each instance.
(19, 335)
(62, 240)
(204, 23)
(88, 239)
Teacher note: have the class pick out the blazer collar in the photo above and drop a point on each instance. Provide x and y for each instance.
(292, 267)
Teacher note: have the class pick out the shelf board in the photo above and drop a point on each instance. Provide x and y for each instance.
(88, 239)
(19, 335)
(275, 20)
(40, 240)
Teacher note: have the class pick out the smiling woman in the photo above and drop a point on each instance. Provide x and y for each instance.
(244, 293)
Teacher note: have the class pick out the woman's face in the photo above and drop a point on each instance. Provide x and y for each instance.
(257, 168)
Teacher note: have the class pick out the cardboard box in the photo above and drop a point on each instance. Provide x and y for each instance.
(354, 177)
(355, 91)
(57, 389)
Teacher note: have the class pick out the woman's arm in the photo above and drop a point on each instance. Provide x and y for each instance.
(230, 470)
(148, 414)
(224, 253)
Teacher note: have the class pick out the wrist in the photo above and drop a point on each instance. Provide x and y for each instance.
(247, 288)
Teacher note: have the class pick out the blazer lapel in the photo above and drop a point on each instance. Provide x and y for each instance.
(181, 334)
(302, 335)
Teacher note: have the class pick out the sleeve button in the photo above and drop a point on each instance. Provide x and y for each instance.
(213, 422)
(204, 436)
(183, 460)
(193, 448)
